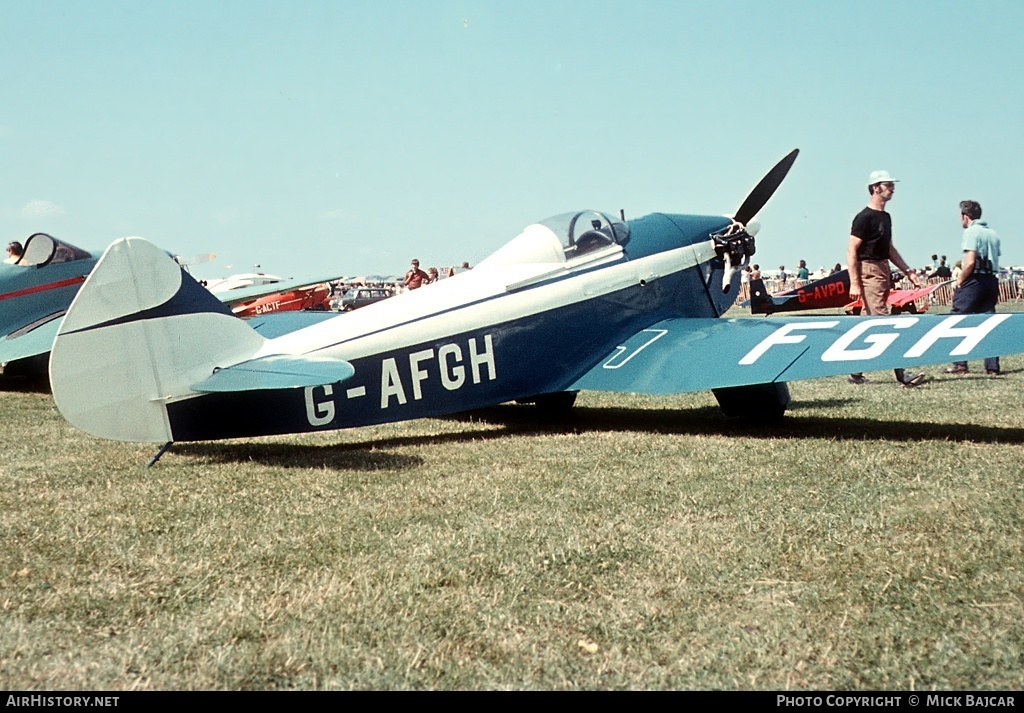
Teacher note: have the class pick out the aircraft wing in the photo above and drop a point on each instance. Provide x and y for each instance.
(233, 297)
(901, 298)
(31, 340)
(274, 324)
(686, 354)
(906, 296)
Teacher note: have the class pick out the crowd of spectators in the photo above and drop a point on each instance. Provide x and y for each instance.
(390, 285)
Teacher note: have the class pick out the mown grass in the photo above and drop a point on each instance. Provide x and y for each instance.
(872, 541)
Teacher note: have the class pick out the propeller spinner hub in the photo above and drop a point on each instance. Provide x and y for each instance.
(735, 243)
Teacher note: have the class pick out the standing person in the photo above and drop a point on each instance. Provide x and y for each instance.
(415, 277)
(977, 285)
(942, 271)
(802, 273)
(868, 254)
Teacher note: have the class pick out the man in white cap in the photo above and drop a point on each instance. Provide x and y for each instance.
(868, 255)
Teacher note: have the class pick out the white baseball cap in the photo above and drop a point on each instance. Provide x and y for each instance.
(880, 177)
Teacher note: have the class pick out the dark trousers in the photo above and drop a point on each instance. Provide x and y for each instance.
(978, 295)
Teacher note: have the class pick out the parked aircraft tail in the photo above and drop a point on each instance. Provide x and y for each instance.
(139, 333)
(760, 301)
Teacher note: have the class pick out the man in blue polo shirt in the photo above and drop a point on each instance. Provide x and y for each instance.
(977, 288)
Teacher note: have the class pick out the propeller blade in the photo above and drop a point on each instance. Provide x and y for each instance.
(764, 190)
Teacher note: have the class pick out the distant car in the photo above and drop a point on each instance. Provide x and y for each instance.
(362, 296)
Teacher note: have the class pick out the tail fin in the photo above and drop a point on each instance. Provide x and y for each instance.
(760, 301)
(139, 333)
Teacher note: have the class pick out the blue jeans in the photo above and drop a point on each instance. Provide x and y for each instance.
(978, 295)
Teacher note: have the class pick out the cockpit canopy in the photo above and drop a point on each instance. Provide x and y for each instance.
(563, 238)
(586, 231)
(42, 249)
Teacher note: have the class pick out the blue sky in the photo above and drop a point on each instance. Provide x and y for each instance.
(316, 135)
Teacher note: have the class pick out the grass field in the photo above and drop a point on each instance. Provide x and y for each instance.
(872, 541)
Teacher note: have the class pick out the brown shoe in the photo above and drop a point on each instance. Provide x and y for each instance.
(956, 369)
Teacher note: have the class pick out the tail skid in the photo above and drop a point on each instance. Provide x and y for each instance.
(139, 334)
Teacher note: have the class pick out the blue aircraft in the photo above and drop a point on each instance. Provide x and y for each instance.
(584, 300)
(35, 292)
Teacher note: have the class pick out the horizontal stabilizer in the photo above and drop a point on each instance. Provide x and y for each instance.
(276, 372)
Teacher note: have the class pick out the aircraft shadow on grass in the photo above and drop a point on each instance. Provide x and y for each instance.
(522, 421)
(708, 421)
(358, 457)
(34, 384)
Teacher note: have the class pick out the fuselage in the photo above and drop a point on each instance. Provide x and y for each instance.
(30, 293)
(531, 319)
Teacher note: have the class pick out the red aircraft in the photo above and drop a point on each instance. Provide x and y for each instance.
(832, 292)
(312, 297)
